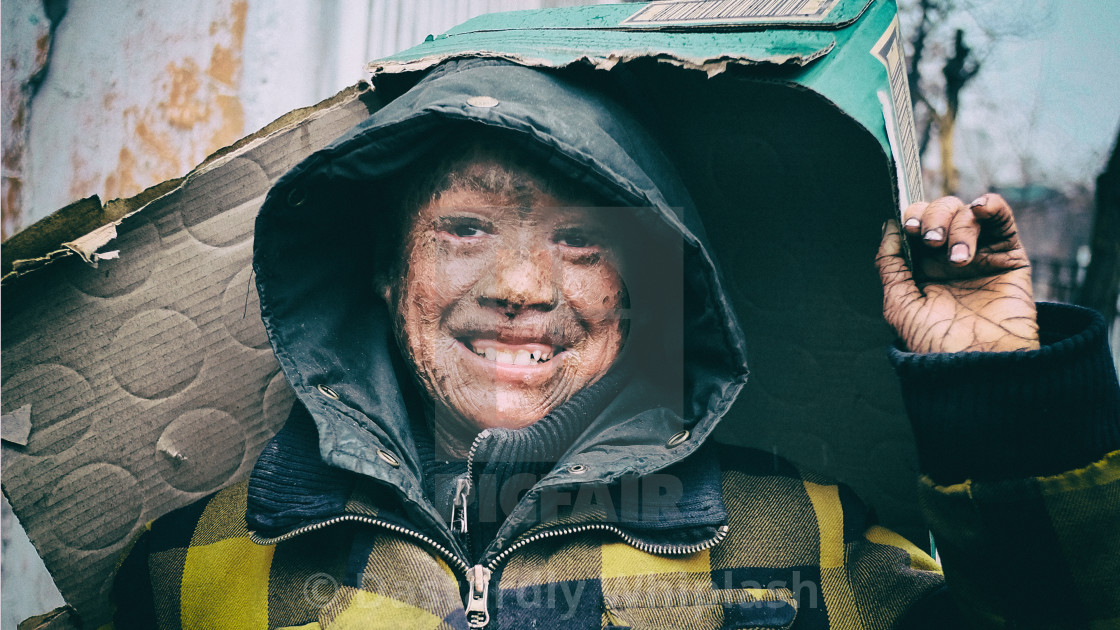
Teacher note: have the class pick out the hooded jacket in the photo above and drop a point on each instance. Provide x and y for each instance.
(633, 523)
(330, 331)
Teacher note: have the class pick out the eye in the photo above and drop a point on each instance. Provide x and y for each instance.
(574, 238)
(466, 231)
(463, 227)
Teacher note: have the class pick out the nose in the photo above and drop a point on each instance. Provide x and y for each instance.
(521, 279)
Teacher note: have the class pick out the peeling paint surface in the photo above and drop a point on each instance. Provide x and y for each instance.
(144, 91)
(148, 90)
(26, 44)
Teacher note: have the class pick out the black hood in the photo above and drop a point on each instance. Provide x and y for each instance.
(332, 334)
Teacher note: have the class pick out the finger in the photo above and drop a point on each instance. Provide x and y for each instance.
(912, 217)
(994, 261)
(899, 288)
(996, 219)
(963, 232)
(936, 219)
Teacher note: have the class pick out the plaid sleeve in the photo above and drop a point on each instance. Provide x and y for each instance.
(791, 528)
(1027, 530)
(1033, 552)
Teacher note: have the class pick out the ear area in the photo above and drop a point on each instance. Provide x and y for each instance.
(383, 287)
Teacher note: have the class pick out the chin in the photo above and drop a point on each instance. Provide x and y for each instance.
(512, 412)
(506, 422)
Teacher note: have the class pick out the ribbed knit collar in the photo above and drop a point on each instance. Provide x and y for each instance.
(546, 440)
(292, 486)
(501, 455)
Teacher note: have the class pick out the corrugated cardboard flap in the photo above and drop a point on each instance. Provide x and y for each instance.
(139, 359)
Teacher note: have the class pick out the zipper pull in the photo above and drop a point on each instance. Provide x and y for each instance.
(459, 506)
(463, 488)
(478, 593)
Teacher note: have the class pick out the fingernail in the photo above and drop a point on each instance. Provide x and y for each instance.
(884, 228)
(935, 234)
(912, 223)
(959, 253)
(980, 202)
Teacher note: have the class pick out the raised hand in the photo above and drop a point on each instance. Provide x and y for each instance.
(971, 289)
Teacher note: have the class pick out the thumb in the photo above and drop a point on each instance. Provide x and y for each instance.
(899, 288)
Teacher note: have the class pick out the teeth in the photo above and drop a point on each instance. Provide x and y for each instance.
(520, 357)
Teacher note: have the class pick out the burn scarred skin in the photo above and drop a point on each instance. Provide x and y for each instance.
(518, 276)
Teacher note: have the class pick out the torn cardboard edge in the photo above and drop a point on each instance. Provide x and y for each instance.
(711, 66)
(903, 192)
(75, 228)
(62, 618)
(83, 227)
(15, 427)
(87, 246)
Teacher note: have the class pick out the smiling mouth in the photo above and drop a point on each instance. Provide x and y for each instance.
(521, 354)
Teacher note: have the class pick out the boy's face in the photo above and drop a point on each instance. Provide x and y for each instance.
(507, 308)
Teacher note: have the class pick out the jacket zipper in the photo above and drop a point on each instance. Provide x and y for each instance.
(463, 490)
(444, 552)
(659, 550)
(478, 614)
(476, 602)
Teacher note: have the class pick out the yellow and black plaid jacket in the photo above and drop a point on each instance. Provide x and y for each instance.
(798, 552)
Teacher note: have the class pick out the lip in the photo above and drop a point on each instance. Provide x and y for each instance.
(535, 374)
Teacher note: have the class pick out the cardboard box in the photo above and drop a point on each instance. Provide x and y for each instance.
(137, 376)
(791, 124)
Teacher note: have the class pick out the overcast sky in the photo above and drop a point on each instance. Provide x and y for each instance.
(1052, 93)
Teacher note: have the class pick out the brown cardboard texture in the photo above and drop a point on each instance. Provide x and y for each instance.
(146, 375)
